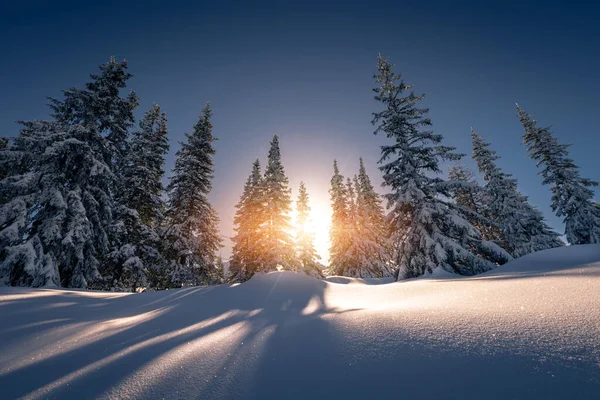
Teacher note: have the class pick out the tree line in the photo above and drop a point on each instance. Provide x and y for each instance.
(82, 202)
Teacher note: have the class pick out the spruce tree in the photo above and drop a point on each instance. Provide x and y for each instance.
(338, 232)
(279, 249)
(3, 149)
(307, 255)
(572, 195)
(191, 234)
(142, 186)
(249, 223)
(55, 228)
(352, 253)
(220, 266)
(437, 235)
(135, 260)
(472, 200)
(522, 227)
(9, 164)
(101, 106)
(371, 234)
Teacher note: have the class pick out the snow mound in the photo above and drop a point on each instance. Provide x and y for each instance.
(551, 260)
(440, 273)
(528, 330)
(344, 280)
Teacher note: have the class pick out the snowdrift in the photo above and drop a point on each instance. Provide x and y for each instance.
(344, 280)
(526, 330)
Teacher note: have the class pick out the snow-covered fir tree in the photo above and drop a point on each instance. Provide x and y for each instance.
(472, 201)
(354, 240)
(249, 222)
(572, 195)
(55, 228)
(307, 255)
(339, 232)
(371, 239)
(100, 105)
(522, 226)
(220, 266)
(278, 248)
(437, 235)
(142, 187)
(3, 148)
(191, 227)
(136, 260)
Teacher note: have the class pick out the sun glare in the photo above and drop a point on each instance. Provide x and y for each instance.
(318, 224)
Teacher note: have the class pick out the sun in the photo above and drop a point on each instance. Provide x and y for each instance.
(318, 224)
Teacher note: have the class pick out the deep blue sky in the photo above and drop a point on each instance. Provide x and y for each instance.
(304, 70)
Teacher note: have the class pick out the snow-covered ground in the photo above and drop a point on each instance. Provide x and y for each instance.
(530, 329)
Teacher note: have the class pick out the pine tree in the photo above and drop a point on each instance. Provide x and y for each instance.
(371, 235)
(191, 234)
(8, 159)
(100, 106)
(522, 227)
(279, 244)
(220, 266)
(437, 235)
(352, 253)
(472, 200)
(339, 231)
(136, 260)
(55, 228)
(307, 255)
(3, 149)
(249, 222)
(142, 187)
(572, 196)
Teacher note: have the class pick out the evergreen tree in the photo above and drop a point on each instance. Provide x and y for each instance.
(339, 231)
(249, 222)
(192, 236)
(3, 149)
(472, 200)
(572, 196)
(351, 203)
(136, 260)
(352, 253)
(371, 235)
(55, 228)
(220, 266)
(307, 255)
(279, 244)
(8, 159)
(142, 186)
(437, 235)
(522, 227)
(100, 106)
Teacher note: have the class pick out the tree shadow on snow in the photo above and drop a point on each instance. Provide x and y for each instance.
(204, 340)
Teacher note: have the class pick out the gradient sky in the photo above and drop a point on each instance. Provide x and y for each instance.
(304, 70)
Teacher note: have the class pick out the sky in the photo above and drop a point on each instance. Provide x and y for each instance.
(304, 70)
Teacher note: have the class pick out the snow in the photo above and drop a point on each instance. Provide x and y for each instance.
(528, 329)
(364, 281)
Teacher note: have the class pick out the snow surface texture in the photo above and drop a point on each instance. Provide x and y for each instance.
(530, 329)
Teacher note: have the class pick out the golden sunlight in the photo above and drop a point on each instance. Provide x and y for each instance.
(318, 224)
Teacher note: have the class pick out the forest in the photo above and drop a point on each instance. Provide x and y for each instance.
(82, 202)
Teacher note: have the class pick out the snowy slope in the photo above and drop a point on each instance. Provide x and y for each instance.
(530, 329)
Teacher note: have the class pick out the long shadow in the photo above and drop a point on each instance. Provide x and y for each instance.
(258, 311)
(268, 338)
